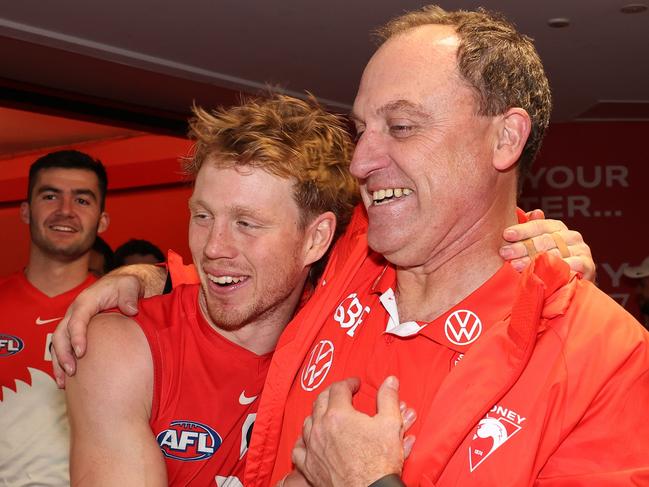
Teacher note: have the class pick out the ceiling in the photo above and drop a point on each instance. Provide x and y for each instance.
(157, 57)
(22, 131)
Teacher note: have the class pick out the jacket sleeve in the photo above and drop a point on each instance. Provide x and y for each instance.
(609, 446)
(180, 273)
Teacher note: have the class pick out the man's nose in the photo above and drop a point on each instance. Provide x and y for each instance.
(370, 155)
(66, 205)
(222, 243)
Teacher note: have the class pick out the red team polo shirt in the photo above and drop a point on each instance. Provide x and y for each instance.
(34, 431)
(206, 391)
(363, 337)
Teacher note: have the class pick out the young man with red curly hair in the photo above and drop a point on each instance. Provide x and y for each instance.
(178, 404)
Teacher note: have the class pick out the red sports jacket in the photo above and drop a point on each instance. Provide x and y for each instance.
(554, 394)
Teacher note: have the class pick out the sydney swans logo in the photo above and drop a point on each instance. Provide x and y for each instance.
(498, 426)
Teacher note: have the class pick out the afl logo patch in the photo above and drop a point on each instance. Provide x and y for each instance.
(318, 366)
(188, 441)
(462, 327)
(10, 345)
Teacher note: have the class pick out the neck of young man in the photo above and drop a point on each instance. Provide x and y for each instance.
(427, 291)
(52, 275)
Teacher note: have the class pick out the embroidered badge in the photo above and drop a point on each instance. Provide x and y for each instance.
(462, 327)
(318, 366)
(498, 426)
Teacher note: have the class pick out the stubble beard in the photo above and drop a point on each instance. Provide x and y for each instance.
(69, 252)
(266, 308)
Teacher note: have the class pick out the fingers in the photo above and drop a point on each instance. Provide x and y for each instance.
(520, 264)
(128, 296)
(69, 340)
(531, 229)
(293, 479)
(583, 265)
(59, 373)
(122, 292)
(571, 244)
(298, 455)
(340, 393)
(561, 245)
(408, 443)
(580, 259)
(307, 426)
(387, 397)
(63, 359)
(535, 215)
(321, 404)
(566, 244)
(541, 235)
(80, 314)
(546, 242)
(530, 248)
(408, 417)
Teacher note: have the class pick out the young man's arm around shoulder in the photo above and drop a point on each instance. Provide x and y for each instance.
(109, 405)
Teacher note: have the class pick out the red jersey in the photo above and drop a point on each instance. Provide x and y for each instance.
(205, 391)
(34, 442)
(537, 379)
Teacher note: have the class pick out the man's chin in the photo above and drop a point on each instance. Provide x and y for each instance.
(398, 253)
(66, 253)
(226, 320)
(227, 325)
(381, 241)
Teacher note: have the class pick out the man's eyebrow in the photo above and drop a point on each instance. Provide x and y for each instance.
(233, 210)
(48, 189)
(85, 192)
(76, 192)
(403, 105)
(246, 211)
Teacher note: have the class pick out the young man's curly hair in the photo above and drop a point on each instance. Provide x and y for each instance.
(286, 137)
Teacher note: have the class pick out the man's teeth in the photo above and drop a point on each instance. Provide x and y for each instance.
(224, 279)
(382, 194)
(62, 228)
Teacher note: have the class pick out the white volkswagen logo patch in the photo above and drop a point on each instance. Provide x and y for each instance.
(317, 368)
(462, 327)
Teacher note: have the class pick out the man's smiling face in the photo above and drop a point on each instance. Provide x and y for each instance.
(64, 213)
(248, 245)
(424, 155)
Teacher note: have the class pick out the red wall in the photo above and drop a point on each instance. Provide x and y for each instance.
(147, 199)
(155, 214)
(594, 177)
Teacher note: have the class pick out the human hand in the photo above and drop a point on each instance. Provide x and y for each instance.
(553, 236)
(69, 339)
(342, 446)
(294, 479)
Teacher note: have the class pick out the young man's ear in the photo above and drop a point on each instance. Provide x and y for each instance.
(104, 221)
(513, 130)
(319, 235)
(24, 212)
